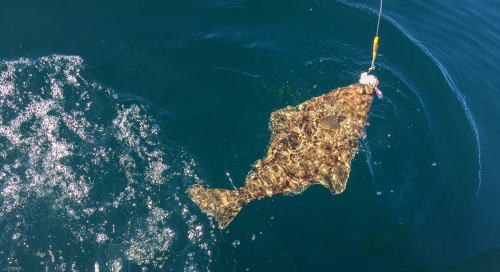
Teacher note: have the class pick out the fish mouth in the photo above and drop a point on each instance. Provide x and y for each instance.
(367, 89)
(359, 97)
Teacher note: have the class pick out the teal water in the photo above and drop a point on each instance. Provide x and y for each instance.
(110, 112)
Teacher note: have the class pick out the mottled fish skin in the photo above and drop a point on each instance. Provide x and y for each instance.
(312, 143)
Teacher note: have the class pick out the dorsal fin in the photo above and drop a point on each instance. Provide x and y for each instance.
(279, 118)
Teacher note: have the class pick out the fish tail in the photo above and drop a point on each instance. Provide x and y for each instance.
(221, 204)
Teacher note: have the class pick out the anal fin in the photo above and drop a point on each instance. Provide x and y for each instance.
(336, 181)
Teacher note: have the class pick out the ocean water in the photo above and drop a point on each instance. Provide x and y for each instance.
(109, 112)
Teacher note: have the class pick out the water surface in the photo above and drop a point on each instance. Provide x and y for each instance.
(110, 112)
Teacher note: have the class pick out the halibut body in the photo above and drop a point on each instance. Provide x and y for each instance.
(312, 143)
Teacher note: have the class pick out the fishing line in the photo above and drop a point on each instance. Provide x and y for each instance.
(379, 13)
(375, 42)
(365, 78)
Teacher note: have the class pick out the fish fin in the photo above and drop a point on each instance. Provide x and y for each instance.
(337, 180)
(331, 121)
(279, 118)
(297, 191)
(221, 204)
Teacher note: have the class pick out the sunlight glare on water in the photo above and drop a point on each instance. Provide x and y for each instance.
(95, 172)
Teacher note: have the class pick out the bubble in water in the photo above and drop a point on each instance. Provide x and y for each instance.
(101, 237)
(236, 243)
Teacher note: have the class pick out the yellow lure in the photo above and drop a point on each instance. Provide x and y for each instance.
(375, 47)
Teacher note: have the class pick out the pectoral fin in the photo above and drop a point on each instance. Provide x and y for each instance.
(337, 180)
(330, 122)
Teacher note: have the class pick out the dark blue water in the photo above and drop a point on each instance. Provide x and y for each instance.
(109, 112)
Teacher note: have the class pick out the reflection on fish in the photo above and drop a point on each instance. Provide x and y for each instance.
(385, 237)
(312, 143)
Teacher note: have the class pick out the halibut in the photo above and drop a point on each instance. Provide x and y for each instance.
(312, 143)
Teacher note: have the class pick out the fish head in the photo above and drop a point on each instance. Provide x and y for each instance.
(359, 98)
